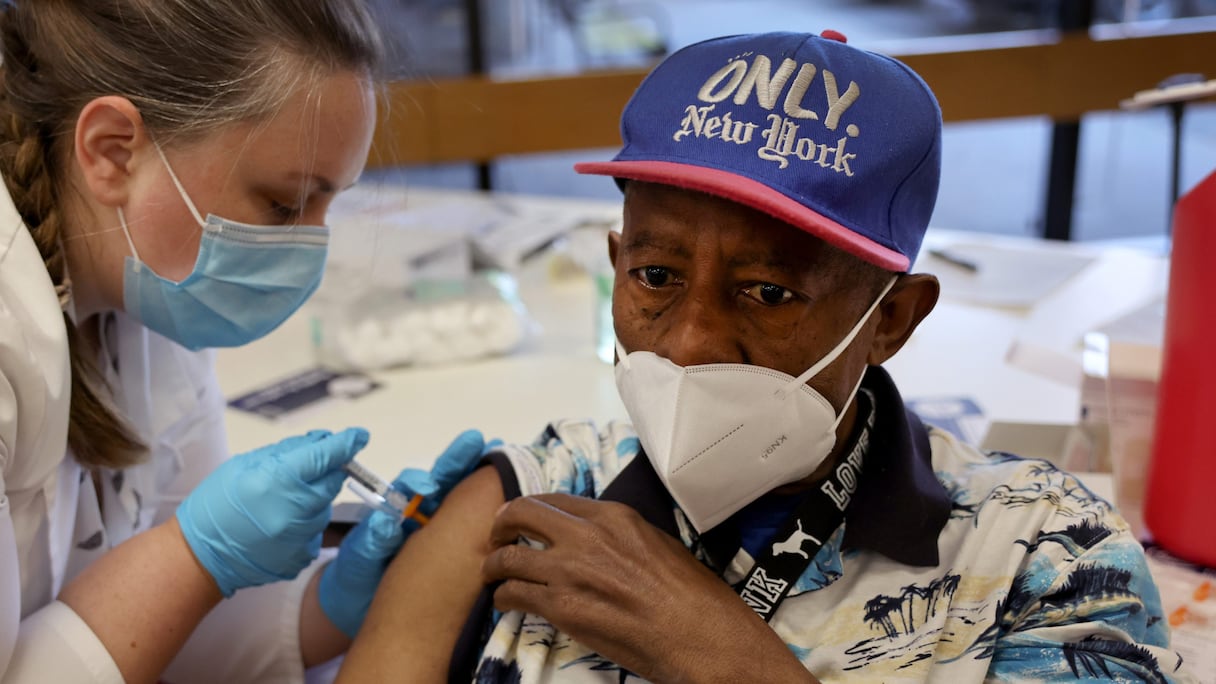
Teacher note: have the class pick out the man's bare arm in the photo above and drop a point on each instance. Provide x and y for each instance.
(428, 591)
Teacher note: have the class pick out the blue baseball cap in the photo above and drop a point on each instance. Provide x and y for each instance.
(840, 142)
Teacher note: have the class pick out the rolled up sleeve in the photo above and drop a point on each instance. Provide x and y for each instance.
(252, 637)
(55, 645)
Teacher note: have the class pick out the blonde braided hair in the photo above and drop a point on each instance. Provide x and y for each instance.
(97, 433)
(190, 67)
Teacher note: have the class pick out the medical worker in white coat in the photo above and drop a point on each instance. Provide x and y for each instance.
(167, 168)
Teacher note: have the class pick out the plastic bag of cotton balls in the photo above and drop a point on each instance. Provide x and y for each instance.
(385, 329)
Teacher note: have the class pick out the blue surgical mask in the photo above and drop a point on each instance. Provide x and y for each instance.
(246, 281)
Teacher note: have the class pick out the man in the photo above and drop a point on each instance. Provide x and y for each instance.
(779, 515)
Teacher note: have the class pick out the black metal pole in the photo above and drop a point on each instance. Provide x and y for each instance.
(475, 38)
(1075, 15)
(1175, 163)
(1061, 180)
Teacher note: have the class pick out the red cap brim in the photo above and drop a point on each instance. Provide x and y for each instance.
(755, 195)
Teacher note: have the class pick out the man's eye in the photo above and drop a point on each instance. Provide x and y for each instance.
(655, 276)
(767, 293)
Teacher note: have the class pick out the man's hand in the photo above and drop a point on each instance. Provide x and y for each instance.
(622, 587)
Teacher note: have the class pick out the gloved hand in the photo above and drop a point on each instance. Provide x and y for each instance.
(349, 582)
(258, 518)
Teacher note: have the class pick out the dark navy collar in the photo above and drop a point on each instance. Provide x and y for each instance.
(898, 510)
(900, 507)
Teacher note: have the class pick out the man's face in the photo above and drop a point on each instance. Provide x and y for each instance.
(701, 279)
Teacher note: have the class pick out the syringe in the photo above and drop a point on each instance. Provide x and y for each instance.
(379, 493)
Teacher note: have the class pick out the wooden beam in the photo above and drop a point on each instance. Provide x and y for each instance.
(1060, 80)
(1042, 74)
(478, 119)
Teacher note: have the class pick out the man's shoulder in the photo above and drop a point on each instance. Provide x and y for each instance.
(1010, 486)
(572, 456)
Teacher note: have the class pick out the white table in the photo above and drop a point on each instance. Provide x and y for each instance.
(960, 350)
(417, 411)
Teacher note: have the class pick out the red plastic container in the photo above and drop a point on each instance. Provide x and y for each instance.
(1180, 502)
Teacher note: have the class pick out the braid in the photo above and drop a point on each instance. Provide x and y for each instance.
(191, 67)
(30, 185)
(97, 434)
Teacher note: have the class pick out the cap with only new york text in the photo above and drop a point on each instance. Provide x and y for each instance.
(840, 142)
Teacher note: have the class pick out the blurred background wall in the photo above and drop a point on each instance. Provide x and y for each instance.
(996, 172)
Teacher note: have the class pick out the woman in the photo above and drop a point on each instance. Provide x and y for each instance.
(168, 167)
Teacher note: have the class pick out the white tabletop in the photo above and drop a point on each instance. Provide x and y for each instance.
(961, 350)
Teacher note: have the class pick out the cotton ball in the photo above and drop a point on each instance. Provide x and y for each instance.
(357, 345)
(403, 338)
(481, 316)
(388, 353)
(413, 320)
(423, 343)
(504, 328)
(450, 320)
(436, 354)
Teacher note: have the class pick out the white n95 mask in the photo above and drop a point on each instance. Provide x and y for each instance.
(721, 435)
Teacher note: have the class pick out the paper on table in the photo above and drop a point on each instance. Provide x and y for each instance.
(1002, 275)
(1050, 342)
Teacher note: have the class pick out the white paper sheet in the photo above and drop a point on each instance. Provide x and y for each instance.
(1002, 276)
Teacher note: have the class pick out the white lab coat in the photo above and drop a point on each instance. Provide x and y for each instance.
(51, 523)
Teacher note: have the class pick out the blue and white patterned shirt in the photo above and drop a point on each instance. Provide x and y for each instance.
(952, 565)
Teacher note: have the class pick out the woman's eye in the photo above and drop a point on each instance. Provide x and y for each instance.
(284, 212)
(655, 276)
(767, 293)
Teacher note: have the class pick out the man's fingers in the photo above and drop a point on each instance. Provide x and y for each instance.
(532, 518)
(528, 597)
(515, 562)
(578, 506)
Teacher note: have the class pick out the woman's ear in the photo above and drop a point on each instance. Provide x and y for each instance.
(911, 299)
(110, 134)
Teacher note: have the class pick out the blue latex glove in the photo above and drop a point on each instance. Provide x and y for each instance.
(349, 582)
(258, 518)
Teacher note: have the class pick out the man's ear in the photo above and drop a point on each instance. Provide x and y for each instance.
(109, 135)
(614, 246)
(911, 299)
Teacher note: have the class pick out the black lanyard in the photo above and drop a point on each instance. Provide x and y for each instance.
(804, 532)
